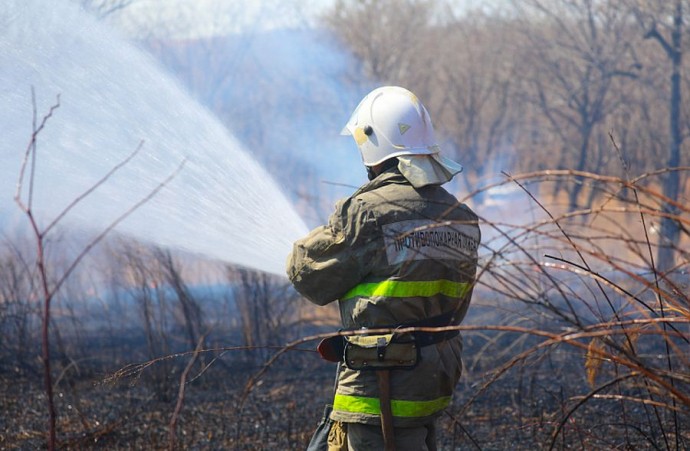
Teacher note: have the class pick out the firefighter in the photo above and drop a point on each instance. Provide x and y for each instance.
(400, 252)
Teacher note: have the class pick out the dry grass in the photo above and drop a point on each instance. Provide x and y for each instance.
(575, 340)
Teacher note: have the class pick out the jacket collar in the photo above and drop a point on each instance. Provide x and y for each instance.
(389, 177)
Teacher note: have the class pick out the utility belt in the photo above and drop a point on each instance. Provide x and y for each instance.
(386, 351)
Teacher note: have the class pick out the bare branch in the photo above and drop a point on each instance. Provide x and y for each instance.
(114, 224)
(93, 187)
(653, 33)
(30, 152)
(181, 393)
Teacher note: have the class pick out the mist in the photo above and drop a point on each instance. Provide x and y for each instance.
(111, 99)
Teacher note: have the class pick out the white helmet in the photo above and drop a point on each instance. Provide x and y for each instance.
(389, 122)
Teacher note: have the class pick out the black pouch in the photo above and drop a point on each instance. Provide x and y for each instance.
(379, 352)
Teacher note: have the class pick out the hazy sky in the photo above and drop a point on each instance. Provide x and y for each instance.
(193, 18)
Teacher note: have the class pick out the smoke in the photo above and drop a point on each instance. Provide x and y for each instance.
(286, 94)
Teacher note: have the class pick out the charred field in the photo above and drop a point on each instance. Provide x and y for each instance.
(515, 393)
(576, 339)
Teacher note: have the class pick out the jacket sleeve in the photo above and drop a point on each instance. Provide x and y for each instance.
(332, 259)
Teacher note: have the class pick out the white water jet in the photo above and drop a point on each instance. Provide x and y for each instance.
(112, 96)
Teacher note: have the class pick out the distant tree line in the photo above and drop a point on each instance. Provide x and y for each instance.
(520, 85)
(581, 85)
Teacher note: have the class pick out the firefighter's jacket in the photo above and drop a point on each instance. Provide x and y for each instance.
(392, 254)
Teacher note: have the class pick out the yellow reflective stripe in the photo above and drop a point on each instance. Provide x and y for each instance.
(404, 289)
(400, 408)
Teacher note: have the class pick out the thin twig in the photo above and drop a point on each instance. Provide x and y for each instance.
(114, 224)
(93, 187)
(582, 401)
(181, 393)
(30, 150)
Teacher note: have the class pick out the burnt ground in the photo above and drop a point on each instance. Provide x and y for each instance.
(518, 411)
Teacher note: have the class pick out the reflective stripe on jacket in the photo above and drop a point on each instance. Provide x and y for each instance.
(393, 254)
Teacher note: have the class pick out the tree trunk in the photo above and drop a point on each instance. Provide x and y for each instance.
(670, 232)
(574, 194)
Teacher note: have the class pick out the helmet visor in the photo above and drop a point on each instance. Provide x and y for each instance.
(351, 124)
